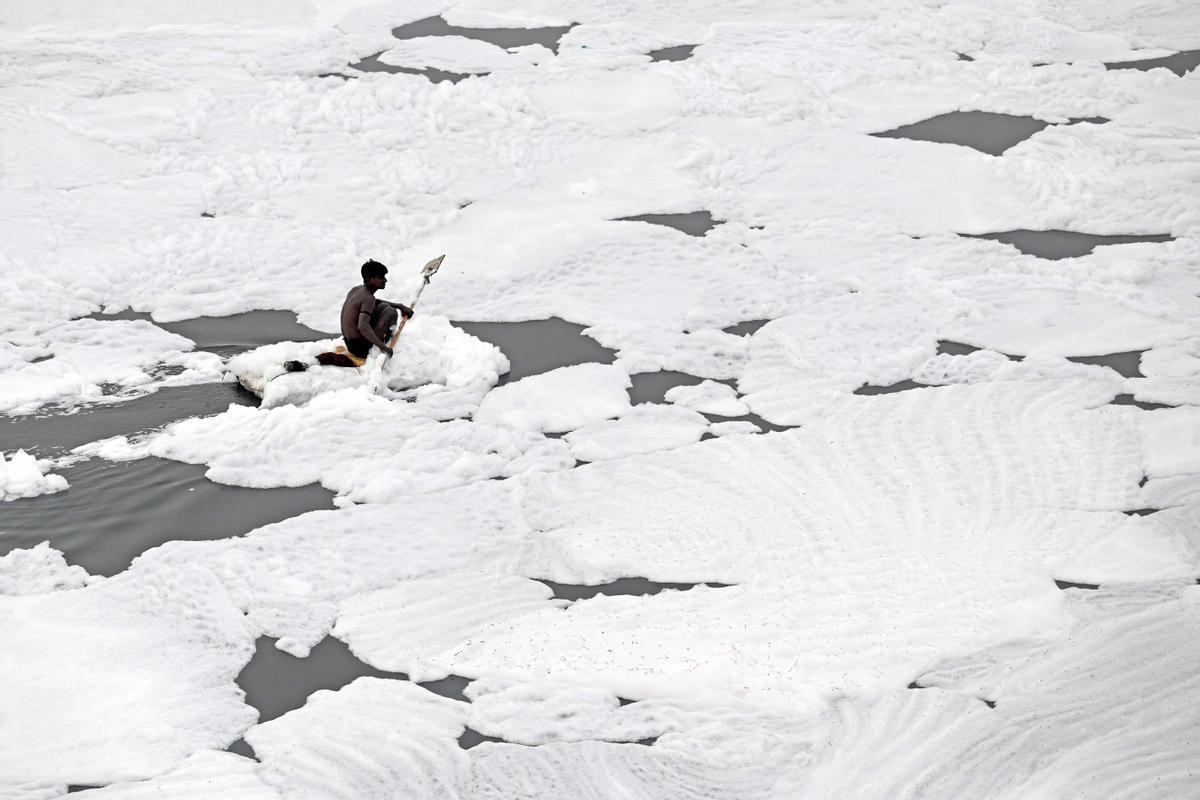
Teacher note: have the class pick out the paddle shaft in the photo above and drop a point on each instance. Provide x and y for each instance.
(404, 319)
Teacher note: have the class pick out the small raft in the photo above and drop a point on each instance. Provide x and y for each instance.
(432, 358)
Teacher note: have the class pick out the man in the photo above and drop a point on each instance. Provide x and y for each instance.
(366, 319)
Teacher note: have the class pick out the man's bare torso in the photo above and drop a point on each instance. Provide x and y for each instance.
(359, 300)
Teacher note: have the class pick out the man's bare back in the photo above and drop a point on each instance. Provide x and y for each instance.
(366, 320)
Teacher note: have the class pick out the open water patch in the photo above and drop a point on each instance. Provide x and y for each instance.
(747, 328)
(276, 682)
(949, 348)
(652, 387)
(1180, 63)
(1064, 585)
(900, 386)
(241, 331)
(1056, 244)
(680, 52)
(372, 64)
(539, 345)
(1129, 400)
(1141, 512)
(1127, 364)
(473, 738)
(635, 587)
(985, 131)
(507, 38)
(54, 431)
(693, 223)
(115, 511)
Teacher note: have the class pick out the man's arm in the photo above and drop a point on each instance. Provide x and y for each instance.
(364, 327)
(404, 310)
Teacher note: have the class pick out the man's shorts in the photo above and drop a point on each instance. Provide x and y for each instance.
(358, 346)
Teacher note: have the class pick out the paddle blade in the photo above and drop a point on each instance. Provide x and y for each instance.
(432, 267)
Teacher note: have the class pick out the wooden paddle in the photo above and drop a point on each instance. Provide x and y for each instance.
(427, 272)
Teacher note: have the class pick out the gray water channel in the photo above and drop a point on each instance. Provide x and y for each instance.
(1055, 244)
(539, 345)
(1180, 63)
(680, 52)
(506, 38)
(115, 511)
(984, 131)
(693, 223)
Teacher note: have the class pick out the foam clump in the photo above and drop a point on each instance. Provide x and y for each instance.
(37, 570)
(540, 713)
(459, 54)
(89, 360)
(362, 446)
(291, 577)
(22, 475)
(560, 400)
(449, 369)
(708, 397)
(642, 429)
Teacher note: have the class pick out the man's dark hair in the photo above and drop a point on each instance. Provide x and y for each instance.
(373, 269)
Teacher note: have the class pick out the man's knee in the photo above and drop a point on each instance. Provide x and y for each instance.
(385, 320)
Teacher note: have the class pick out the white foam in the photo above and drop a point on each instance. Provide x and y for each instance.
(559, 400)
(207, 775)
(449, 369)
(403, 738)
(89, 360)
(37, 570)
(708, 397)
(955, 746)
(536, 714)
(642, 429)
(885, 535)
(362, 446)
(290, 577)
(122, 679)
(1171, 441)
(22, 475)
(459, 54)
(804, 523)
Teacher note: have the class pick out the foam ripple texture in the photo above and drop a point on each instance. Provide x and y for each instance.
(804, 524)
(400, 738)
(1072, 715)
(168, 638)
(207, 775)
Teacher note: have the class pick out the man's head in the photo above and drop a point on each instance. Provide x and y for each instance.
(374, 274)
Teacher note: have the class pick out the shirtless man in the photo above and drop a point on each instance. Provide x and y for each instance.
(366, 319)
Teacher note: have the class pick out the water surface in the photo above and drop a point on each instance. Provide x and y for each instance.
(540, 345)
(115, 511)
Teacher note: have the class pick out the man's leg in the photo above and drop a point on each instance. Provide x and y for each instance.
(383, 321)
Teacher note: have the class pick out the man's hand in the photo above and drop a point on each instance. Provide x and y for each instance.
(387, 350)
(405, 311)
